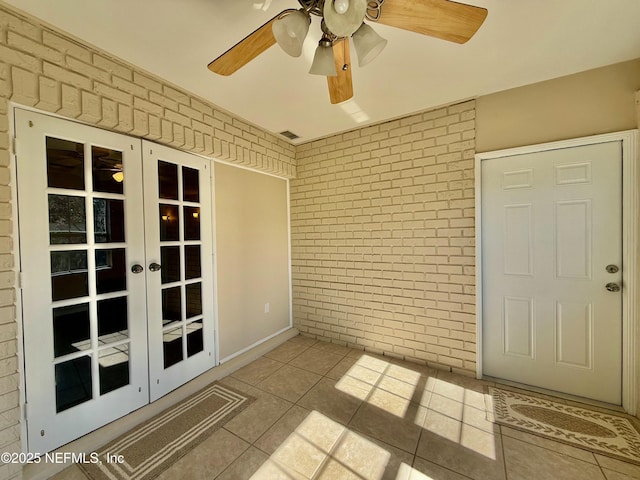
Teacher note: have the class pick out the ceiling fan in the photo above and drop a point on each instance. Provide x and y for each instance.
(341, 19)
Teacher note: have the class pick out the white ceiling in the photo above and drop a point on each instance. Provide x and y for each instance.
(521, 42)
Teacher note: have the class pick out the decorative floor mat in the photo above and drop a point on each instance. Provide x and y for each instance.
(604, 433)
(149, 449)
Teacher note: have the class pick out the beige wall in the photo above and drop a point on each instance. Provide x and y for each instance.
(252, 244)
(382, 222)
(45, 69)
(637, 98)
(587, 103)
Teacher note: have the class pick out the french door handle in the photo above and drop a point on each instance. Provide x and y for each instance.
(137, 268)
(155, 267)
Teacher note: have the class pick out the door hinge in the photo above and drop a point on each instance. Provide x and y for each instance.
(25, 411)
(20, 280)
(14, 146)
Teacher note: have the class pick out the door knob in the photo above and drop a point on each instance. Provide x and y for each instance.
(612, 287)
(154, 267)
(137, 268)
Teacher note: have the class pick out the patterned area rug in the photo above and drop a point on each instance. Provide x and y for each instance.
(604, 433)
(156, 444)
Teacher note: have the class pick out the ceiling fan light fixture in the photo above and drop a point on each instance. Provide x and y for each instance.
(344, 23)
(368, 44)
(323, 60)
(341, 6)
(290, 30)
(118, 176)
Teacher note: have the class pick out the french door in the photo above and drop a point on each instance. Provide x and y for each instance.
(116, 283)
(179, 250)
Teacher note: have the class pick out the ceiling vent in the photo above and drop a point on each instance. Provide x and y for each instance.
(289, 135)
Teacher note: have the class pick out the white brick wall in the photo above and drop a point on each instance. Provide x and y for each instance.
(48, 70)
(383, 238)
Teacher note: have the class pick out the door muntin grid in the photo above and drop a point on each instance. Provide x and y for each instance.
(181, 255)
(87, 251)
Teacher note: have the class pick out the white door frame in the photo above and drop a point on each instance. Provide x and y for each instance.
(630, 182)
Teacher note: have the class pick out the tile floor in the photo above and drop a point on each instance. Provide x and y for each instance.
(325, 411)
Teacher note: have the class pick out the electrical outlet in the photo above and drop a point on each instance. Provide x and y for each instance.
(267, 307)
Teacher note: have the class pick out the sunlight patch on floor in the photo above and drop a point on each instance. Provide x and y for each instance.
(321, 448)
(382, 384)
(405, 472)
(458, 414)
(450, 411)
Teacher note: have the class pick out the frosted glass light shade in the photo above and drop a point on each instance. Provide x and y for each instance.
(290, 32)
(368, 44)
(323, 62)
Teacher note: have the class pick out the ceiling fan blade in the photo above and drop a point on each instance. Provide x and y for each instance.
(246, 49)
(341, 86)
(444, 19)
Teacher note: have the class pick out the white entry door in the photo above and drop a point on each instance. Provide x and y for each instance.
(551, 263)
(84, 310)
(179, 245)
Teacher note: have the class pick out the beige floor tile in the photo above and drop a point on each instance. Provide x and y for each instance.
(245, 465)
(278, 433)
(398, 459)
(341, 368)
(461, 448)
(423, 469)
(399, 432)
(330, 401)
(525, 461)
(357, 455)
(558, 447)
(316, 361)
(615, 465)
(309, 446)
(303, 340)
(257, 370)
(446, 406)
(332, 348)
(289, 383)
(252, 422)
(208, 459)
(287, 351)
(612, 475)
(236, 384)
(70, 473)
(271, 470)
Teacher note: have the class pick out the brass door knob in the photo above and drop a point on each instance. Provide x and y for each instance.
(612, 287)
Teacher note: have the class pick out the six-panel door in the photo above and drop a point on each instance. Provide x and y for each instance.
(551, 233)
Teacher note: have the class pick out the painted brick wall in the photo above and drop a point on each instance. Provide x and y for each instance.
(43, 68)
(383, 238)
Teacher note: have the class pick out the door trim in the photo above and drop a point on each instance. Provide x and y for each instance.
(630, 211)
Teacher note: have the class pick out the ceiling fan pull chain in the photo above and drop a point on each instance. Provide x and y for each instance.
(374, 10)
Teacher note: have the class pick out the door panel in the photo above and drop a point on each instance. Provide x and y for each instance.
(179, 234)
(551, 223)
(84, 309)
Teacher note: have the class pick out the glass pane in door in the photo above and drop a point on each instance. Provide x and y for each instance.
(180, 251)
(90, 329)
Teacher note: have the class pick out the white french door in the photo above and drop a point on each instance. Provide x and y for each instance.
(179, 245)
(552, 269)
(116, 274)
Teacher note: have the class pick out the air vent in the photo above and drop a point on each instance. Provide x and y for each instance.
(289, 135)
